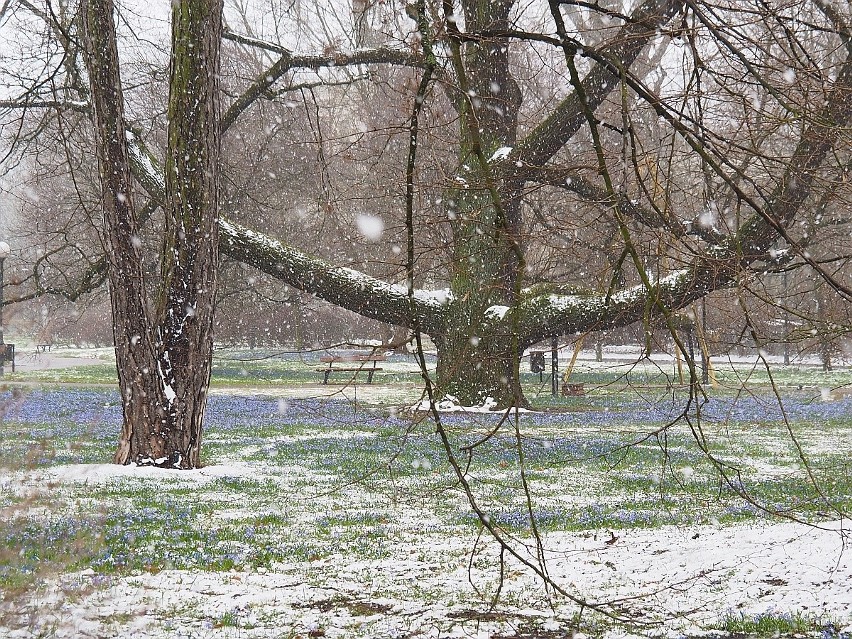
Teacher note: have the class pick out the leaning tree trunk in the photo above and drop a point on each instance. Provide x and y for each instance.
(134, 353)
(163, 361)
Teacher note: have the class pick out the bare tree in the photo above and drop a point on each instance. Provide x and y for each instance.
(163, 346)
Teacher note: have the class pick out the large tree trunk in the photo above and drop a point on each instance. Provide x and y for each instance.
(476, 359)
(190, 250)
(134, 353)
(163, 350)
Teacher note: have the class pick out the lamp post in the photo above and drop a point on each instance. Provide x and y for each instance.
(4, 253)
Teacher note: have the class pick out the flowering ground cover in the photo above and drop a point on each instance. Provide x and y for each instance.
(327, 517)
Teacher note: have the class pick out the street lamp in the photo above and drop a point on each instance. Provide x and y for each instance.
(5, 351)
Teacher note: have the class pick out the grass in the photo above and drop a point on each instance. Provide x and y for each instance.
(311, 481)
(639, 482)
(231, 368)
(780, 624)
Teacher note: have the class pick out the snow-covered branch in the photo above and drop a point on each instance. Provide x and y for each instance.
(27, 102)
(342, 286)
(543, 315)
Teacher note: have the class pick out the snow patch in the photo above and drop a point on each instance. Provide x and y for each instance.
(497, 311)
(501, 154)
(144, 160)
(100, 473)
(452, 404)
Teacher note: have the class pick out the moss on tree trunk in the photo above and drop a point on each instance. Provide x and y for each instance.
(163, 350)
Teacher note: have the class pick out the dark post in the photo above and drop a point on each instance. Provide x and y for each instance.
(554, 365)
(4, 253)
(786, 321)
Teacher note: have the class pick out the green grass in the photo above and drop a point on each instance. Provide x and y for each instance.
(228, 619)
(330, 481)
(240, 368)
(777, 624)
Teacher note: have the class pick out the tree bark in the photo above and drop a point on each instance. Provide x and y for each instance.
(164, 349)
(131, 328)
(190, 252)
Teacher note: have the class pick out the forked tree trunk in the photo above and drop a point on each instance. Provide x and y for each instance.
(163, 349)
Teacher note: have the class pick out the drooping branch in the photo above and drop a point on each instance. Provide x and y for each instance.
(342, 286)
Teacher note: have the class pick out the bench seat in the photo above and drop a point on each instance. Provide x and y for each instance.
(368, 363)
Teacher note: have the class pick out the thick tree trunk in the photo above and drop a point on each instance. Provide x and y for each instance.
(135, 359)
(163, 361)
(476, 360)
(190, 251)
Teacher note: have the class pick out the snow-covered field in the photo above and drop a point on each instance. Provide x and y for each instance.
(322, 517)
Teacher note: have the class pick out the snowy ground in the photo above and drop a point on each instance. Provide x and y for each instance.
(318, 517)
(423, 588)
(424, 585)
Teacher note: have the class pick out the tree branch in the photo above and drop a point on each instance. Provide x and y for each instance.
(545, 140)
(288, 61)
(572, 181)
(342, 286)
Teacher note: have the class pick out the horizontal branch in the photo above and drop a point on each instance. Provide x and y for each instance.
(27, 103)
(544, 315)
(379, 55)
(342, 286)
(289, 61)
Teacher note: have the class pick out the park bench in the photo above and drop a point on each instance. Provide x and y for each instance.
(43, 348)
(351, 364)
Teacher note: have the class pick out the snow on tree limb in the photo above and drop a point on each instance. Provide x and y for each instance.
(543, 315)
(342, 286)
